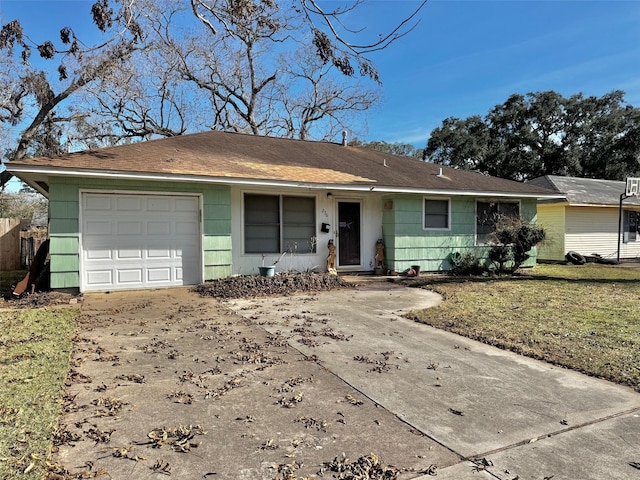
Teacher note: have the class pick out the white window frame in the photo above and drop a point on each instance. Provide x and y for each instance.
(492, 200)
(629, 236)
(424, 208)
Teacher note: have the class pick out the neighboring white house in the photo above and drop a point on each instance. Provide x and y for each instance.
(589, 220)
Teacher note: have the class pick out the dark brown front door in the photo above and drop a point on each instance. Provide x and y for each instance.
(348, 234)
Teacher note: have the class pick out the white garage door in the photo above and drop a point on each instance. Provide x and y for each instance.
(139, 241)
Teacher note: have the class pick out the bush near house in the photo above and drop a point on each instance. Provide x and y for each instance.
(511, 242)
(514, 239)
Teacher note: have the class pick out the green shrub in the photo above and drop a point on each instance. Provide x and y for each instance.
(465, 264)
(513, 239)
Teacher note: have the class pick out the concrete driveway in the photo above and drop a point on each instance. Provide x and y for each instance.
(504, 416)
(168, 384)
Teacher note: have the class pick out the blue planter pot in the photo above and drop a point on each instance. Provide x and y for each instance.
(267, 271)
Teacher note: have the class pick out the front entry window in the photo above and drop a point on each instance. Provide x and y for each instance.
(279, 223)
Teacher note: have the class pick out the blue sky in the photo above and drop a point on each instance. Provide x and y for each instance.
(464, 57)
(467, 56)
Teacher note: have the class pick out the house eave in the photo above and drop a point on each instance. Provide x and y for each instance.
(601, 205)
(28, 171)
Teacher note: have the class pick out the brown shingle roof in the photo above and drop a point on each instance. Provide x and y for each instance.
(218, 155)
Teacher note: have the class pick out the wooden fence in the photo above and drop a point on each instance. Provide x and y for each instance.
(9, 244)
(30, 241)
(19, 246)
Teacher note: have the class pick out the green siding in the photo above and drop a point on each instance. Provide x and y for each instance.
(215, 227)
(65, 279)
(64, 212)
(407, 243)
(218, 271)
(65, 246)
(65, 263)
(217, 258)
(63, 226)
(214, 242)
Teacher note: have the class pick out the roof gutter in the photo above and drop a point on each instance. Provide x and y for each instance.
(172, 177)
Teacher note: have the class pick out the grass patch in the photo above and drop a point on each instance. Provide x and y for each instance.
(586, 318)
(35, 348)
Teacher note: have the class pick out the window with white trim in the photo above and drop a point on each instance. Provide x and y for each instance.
(436, 214)
(631, 225)
(279, 223)
(488, 213)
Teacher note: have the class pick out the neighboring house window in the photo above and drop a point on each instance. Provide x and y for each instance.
(631, 225)
(436, 214)
(488, 213)
(278, 223)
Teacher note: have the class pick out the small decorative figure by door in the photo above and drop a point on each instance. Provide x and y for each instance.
(380, 257)
(331, 258)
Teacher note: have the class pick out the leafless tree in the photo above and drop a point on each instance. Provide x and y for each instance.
(168, 67)
(32, 94)
(335, 40)
(314, 103)
(141, 99)
(250, 73)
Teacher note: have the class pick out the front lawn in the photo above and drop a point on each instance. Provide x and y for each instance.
(582, 317)
(35, 347)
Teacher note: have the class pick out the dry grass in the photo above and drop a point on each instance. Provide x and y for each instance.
(35, 348)
(585, 318)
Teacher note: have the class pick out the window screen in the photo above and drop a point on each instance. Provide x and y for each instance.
(276, 224)
(488, 213)
(436, 213)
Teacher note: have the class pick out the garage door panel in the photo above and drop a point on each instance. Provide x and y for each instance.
(153, 253)
(186, 204)
(159, 228)
(99, 254)
(130, 276)
(159, 204)
(156, 275)
(138, 241)
(129, 227)
(99, 227)
(100, 277)
(187, 228)
(128, 254)
(128, 203)
(98, 203)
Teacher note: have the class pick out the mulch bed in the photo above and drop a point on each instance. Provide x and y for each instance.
(287, 283)
(247, 286)
(38, 299)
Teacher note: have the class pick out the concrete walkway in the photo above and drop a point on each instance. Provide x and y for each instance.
(505, 416)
